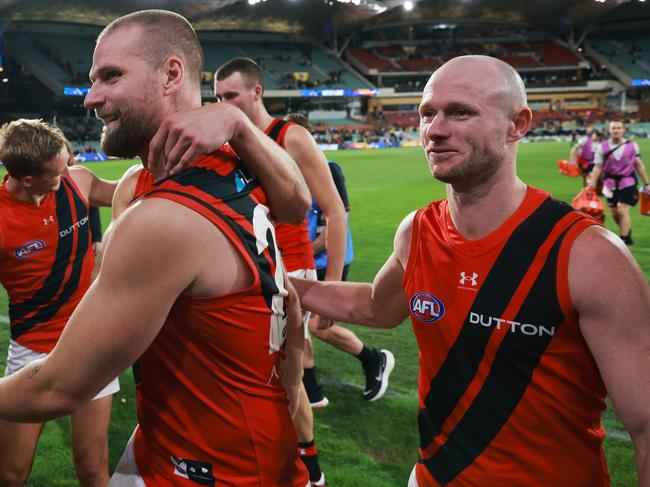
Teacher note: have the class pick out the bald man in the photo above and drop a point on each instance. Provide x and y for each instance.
(519, 339)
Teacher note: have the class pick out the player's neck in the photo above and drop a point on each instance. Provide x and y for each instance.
(478, 211)
(261, 117)
(617, 141)
(21, 193)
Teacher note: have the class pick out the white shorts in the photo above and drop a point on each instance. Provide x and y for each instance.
(126, 472)
(413, 481)
(18, 357)
(311, 275)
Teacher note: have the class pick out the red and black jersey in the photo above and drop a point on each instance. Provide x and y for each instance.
(293, 240)
(509, 393)
(45, 262)
(211, 408)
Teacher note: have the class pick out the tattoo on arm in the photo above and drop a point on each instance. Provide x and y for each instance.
(34, 370)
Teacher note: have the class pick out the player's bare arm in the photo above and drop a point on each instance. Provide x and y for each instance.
(613, 303)
(98, 191)
(125, 190)
(183, 136)
(147, 265)
(294, 349)
(381, 304)
(641, 171)
(302, 147)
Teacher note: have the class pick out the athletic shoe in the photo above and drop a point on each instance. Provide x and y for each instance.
(377, 376)
(320, 482)
(314, 391)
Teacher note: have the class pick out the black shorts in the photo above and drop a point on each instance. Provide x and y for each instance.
(321, 273)
(628, 196)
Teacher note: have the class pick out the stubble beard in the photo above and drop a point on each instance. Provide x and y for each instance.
(481, 163)
(133, 133)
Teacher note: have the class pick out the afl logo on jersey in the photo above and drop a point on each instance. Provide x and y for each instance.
(426, 307)
(29, 249)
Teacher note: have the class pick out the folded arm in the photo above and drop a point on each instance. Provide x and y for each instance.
(184, 136)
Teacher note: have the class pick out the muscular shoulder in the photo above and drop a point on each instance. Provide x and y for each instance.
(402, 242)
(125, 189)
(299, 144)
(602, 271)
(173, 239)
(82, 177)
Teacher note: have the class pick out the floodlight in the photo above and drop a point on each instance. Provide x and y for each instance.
(408, 5)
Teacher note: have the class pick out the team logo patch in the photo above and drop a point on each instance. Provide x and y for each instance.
(29, 249)
(194, 470)
(426, 307)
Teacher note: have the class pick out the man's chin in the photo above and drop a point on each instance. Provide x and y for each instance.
(110, 148)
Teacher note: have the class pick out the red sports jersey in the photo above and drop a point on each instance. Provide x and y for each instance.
(293, 240)
(45, 262)
(211, 408)
(144, 183)
(509, 394)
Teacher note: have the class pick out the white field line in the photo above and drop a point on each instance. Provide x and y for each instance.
(4, 320)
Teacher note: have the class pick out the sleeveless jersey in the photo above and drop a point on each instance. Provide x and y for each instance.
(509, 394)
(45, 262)
(587, 153)
(211, 408)
(293, 240)
(619, 170)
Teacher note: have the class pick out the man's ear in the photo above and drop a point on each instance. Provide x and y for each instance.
(174, 73)
(521, 121)
(26, 181)
(259, 91)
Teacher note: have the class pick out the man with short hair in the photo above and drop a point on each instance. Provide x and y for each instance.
(239, 82)
(377, 364)
(46, 261)
(521, 332)
(191, 287)
(618, 160)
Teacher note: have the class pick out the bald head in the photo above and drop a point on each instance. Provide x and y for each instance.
(486, 76)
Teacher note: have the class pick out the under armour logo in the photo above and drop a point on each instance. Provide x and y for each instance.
(473, 279)
(48, 220)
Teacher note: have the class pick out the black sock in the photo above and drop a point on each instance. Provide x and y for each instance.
(309, 375)
(369, 356)
(309, 456)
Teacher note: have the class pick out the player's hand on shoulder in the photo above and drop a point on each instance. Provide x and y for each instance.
(184, 136)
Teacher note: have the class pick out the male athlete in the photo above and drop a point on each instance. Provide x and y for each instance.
(521, 332)
(377, 365)
(618, 160)
(46, 260)
(191, 285)
(239, 82)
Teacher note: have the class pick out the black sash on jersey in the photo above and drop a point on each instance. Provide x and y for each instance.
(274, 133)
(42, 303)
(514, 362)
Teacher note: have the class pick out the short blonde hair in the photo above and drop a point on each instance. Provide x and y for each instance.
(27, 146)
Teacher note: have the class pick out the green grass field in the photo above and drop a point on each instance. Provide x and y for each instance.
(364, 444)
